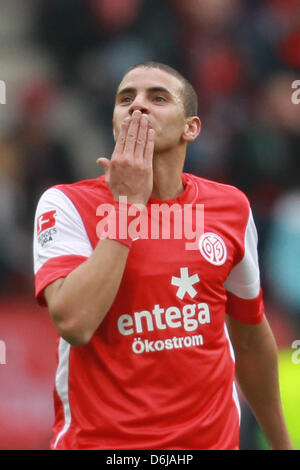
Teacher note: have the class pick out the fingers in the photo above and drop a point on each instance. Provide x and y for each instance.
(120, 144)
(142, 137)
(132, 133)
(149, 147)
(104, 162)
(133, 138)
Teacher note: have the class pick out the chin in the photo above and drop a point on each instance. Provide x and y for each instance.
(163, 148)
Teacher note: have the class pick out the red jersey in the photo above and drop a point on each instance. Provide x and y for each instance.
(159, 371)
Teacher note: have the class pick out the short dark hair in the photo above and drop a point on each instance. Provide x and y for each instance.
(190, 98)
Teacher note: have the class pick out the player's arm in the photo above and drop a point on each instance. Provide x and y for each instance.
(257, 373)
(79, 302)
(253, 342)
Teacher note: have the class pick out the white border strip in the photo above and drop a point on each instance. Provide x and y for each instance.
(62, 384)
(235, 395)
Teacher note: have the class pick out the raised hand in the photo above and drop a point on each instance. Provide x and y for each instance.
(129, 172)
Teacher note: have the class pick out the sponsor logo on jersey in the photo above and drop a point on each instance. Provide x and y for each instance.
(212, 247)
(188, 318)
(185, 283)
(46, 227)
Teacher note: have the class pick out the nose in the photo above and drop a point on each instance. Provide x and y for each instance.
(139, 104)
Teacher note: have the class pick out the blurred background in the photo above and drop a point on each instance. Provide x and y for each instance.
(61, 61)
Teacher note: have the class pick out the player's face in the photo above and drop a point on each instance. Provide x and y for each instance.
(160, 96)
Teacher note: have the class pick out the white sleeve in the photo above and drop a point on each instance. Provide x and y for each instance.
(58, 229)
(244, 279)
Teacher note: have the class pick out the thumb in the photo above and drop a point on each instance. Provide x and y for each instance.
(104, 162)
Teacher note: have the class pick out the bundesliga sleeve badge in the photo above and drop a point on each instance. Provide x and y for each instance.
(46, 228)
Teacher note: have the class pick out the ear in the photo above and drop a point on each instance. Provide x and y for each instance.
(192, 129)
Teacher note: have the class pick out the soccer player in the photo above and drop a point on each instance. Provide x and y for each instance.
(151, 332)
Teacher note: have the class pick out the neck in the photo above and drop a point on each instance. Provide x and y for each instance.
(167, 171)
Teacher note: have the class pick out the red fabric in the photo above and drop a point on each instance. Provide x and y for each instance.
(52, 270)
(158, 372)
(249, 311)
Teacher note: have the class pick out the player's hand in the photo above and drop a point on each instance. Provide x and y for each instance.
(129, 172)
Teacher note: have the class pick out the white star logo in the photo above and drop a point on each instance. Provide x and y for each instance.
(185, 283)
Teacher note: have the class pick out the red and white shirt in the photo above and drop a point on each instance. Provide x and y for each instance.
(159, 371)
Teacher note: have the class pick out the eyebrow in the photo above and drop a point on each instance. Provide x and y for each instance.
(154, 89)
